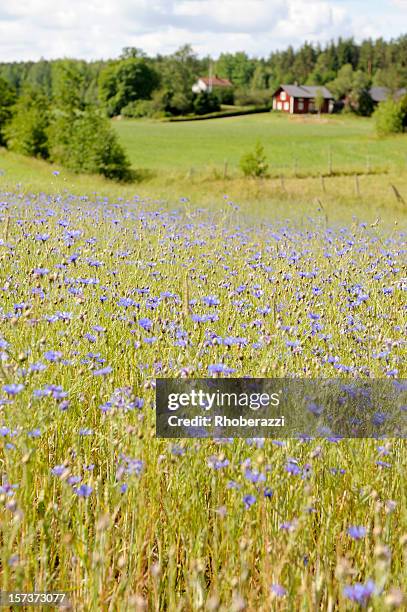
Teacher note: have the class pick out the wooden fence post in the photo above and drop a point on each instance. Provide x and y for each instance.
(357, 186)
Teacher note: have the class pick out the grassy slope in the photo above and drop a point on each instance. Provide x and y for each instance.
(295, 198)
(291, 143)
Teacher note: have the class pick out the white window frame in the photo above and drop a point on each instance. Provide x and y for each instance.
(283, 95)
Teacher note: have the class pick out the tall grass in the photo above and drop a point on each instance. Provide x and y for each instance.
(92, 311)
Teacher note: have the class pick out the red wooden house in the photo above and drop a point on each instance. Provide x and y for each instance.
(301, 99)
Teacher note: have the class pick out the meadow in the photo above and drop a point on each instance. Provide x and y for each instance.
(106, 287)
(295, 145)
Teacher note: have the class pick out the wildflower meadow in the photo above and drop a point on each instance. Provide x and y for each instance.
(101, 296)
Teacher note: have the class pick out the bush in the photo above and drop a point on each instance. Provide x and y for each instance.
(225, 95)
(388, 118)
(259, 97)
(359, 102)
(84, 141)
(27, 131)
(139, 108)
(255, 163)
(205, 103)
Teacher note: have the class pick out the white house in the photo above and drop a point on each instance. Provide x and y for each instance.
(210, 83)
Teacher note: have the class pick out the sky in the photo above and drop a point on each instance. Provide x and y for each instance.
(94, 29)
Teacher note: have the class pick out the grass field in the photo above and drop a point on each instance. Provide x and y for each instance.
(310, 145)
(338, 199)
(99, 297)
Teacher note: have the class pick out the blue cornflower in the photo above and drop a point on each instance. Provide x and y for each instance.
(58, 470)
(13, 388)
(254, 477)
(217, 464)
(73, 480)
(103, 371)
(83, 491)
(34, 433)
(356, 532)
(126, 302)
(211, 300)
(360, 593)
(278, 590)
(292, 467)
(52, 356)
(145, 323)
(220, 368)
(248, 501)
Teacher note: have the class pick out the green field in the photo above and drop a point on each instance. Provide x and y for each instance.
(294, 145)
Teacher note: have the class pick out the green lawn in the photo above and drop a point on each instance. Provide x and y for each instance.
(293, 144)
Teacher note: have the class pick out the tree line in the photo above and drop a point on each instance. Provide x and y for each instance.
(59, 109)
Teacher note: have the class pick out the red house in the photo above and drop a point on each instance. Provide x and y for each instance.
(301, 99)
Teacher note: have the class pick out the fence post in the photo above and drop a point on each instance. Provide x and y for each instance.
(323, 183)
(225, 169)
(357, 186)
(282, 182)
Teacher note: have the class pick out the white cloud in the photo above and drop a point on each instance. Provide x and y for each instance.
(30, 29)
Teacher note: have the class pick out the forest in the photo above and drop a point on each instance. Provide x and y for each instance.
(142, 85)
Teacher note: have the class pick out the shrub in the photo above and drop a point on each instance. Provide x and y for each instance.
(225, 95)
(259, 97)
(255, 163)
(205, 103)
(27, 131)
(84, 141)
(388, 118)
(138, 108)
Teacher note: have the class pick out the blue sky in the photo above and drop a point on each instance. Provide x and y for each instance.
(30, 29)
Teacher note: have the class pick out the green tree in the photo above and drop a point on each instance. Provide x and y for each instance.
(7, 99)
(388, 118)
(178, 73)
(237, 67)
(260, 78)
(68, 85)
(319, 101)
(342, 85)
(359, 100)
(255, 164)
(27, 131)
(126, 81)
(86, 142)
